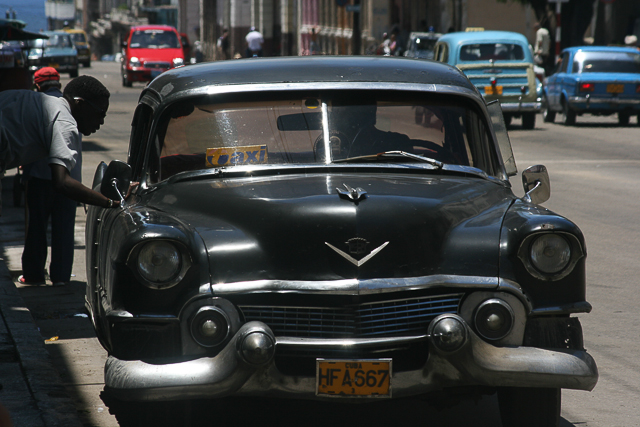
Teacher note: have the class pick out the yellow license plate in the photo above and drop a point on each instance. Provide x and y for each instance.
(489, 90)
(353, 378)
(615, 88)
(54, 65)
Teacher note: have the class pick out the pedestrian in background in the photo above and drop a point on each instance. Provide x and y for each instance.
(223, 45)
(254, 42)
(34, 126)
(42, 203)
(542, 47)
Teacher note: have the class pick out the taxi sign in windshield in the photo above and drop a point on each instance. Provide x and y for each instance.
(234, 156)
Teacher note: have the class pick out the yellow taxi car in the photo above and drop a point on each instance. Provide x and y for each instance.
(81, 42)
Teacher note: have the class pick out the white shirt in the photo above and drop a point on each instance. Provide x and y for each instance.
(40, 168)
(33, 126)
(254, 40)
(542, 42)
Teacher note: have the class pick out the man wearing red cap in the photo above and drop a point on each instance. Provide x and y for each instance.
(43, 202)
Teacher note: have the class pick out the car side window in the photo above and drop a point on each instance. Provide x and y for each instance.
(565, 63)
(140, 128)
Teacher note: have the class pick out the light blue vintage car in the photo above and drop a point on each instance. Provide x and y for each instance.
(500, 65)
(597, 80)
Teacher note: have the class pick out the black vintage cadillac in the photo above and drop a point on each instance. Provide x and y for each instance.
(331, 228)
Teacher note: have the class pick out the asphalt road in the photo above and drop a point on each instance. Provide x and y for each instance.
(595, 179)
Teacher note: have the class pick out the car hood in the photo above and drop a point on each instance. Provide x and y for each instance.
(301, 228)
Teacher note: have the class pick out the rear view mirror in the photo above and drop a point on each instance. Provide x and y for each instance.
(116, 180)
(537, 187)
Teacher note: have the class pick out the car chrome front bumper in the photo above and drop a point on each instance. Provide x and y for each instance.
(475, 362)
(588, 101)
(522, 107)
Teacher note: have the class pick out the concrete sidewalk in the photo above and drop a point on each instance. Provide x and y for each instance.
(32, 389)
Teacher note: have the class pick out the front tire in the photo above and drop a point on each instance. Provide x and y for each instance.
(623, 118)
(529, 407)
(125, 81)
(528, 120)
(548, 116)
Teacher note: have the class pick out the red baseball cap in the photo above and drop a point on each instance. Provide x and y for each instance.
(45, 74)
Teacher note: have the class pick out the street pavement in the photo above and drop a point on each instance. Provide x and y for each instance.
(32, 390)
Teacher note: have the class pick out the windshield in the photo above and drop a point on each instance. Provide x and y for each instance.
(491, 51)
(606, 62)
(78, 38)
(58, 40)
(425, 44)
(322, 129)
(154, 39)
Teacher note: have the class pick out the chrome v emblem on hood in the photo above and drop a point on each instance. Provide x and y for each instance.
(355, 194)
(354, 261)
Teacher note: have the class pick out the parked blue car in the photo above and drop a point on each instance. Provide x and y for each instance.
(597, 80)
(500, 65)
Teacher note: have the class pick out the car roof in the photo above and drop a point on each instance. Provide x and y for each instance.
(153, 27)
(316, 69)
(483, 36)
(602, 49)
(424, 34)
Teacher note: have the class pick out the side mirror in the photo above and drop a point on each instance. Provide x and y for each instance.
(123, 44)
(116, 180)
(97, 177)
(537, 188)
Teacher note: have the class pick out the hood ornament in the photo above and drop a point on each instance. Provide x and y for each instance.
(354, 194)
(357, 246)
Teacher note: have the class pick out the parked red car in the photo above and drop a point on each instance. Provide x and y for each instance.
(148, 51)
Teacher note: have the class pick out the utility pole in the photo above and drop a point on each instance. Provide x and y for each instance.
(208, 24)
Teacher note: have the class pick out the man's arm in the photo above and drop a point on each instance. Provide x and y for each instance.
(64, 184)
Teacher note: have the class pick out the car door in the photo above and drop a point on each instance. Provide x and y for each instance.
(554, 83)
(565, 79)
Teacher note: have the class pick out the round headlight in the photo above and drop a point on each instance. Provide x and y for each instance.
(134, 61)
(210, 326)
(159, 262)
(550, 253)
(494, 319)
(177, 62)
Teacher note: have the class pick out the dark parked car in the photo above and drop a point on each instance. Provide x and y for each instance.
(598, 80)
(296, 233)
(58, 51)
(421, 45)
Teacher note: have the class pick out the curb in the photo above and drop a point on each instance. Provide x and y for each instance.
(32, 391)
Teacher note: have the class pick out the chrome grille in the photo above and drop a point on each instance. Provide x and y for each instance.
(377, 319)
(163, 65)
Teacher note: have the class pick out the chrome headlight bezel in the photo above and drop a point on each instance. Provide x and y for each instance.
(139, 263)
(527, 246)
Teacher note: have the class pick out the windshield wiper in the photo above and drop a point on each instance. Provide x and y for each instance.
(391, 155)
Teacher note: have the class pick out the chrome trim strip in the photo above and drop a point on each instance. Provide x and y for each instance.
(603, 100)
(214, 89)
(351, 343)
(579, 307)
(355, 286)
